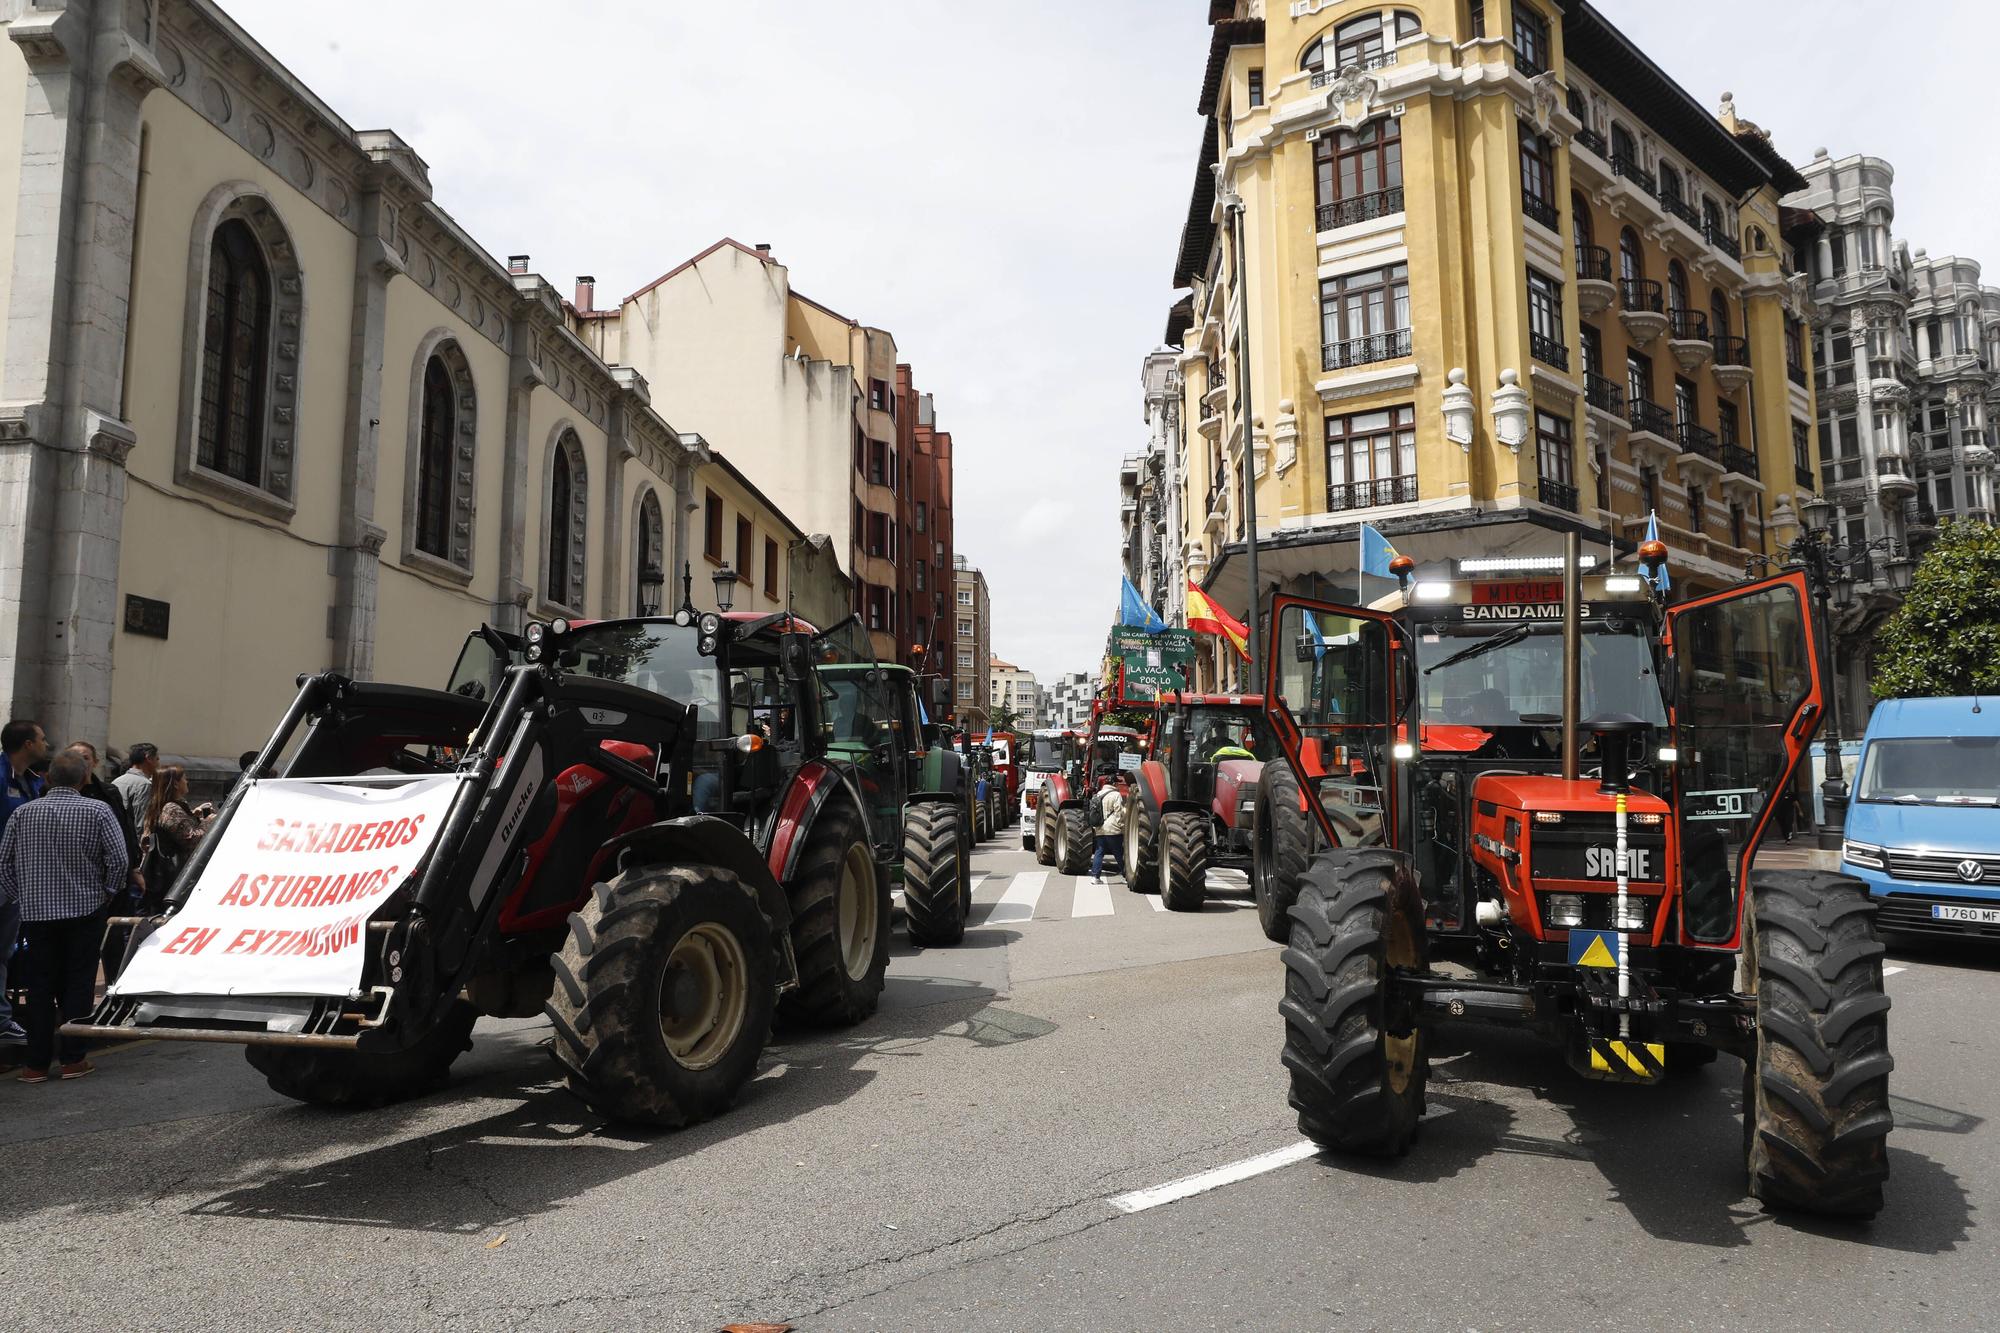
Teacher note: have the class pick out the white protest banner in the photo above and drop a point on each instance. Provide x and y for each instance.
(282, 906)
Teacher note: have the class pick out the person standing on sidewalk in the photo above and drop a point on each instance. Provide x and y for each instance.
(23, 749)
(62, 859)
(1108, 815)
(135, 785)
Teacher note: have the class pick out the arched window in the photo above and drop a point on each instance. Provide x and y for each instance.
(1670, 183)
(435, 436)
(1718, 313)
(1579, 212)
(236, 350)
(1363, 41)
(1631, 260)
(649, 578)
(567, 510)
(1759, 242)
(1677, 286)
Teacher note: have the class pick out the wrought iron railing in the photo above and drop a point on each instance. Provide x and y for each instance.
(1731, 350)
(1796, 373)
(1680, 208)
(1651, 417)
(1541, 210)
(1689, 325)
(1632, 171)
(1557, 494)
(1723, 240)
(1364, 350)
(1362, 494)
(1804, 476)
(1606, 395)
(1739, 460)
(1594, 141)
(1322, 77)
(1593, 262)
(1698, 440)
(1640, 294)
(1918, 514)
(1361, 208)
(1549, 351)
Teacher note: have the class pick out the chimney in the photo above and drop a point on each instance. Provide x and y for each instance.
(517, 264)
(586, 293)
(764, 249)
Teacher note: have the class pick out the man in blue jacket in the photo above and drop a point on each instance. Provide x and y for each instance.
(23, 749)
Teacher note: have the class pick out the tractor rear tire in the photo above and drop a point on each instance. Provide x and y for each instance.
(1073, 840)
(1816, 1089)
(934, 880)
(1357, 1086)
(840, 924)
(980, 822)
(1140, 859)
(361, 1079)
(1282, 838)
(1045, 837)
(663, 994)
(1184, 860)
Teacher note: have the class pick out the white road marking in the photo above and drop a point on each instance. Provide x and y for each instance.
(1892, 971)
(1018, 903)
(1138, 1201)
(1159, 903)
(1091, 899)
(977, 880)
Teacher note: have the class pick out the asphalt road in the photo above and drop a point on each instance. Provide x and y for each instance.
(952, 1163)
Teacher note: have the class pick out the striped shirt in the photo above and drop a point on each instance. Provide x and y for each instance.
(62, 856)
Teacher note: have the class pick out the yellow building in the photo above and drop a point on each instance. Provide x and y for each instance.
(1504, 279)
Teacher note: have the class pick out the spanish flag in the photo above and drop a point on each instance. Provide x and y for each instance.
(1206, 617)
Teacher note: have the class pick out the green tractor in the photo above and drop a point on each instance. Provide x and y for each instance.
(912, 782)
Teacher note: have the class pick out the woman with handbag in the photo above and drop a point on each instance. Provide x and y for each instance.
(173, 830)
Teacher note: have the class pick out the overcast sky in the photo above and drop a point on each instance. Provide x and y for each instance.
(1002, 186)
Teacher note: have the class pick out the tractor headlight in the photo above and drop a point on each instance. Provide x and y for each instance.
(1862, 854)
(534, 651)
(1565, 909)
(1650, 818)
(559, 626)
(536, 629)
(711, 624)
(1633, 917)
(1548, 816)
(705, 645)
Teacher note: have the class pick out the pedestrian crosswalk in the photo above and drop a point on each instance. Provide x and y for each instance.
(1043, 895)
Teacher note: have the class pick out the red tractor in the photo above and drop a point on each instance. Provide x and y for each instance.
(1063, 836)
(1195, 795)
(1576, 859)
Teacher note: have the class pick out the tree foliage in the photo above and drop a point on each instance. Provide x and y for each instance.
(1945, 638)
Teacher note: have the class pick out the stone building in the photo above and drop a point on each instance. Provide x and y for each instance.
(268, 408)
(800, 396)
(1502, 279)
(1907, 349)
(972, 647)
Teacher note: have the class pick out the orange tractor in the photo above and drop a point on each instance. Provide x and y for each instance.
(1534, 799)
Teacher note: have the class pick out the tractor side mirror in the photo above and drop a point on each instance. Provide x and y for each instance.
(795, 655)
(1305, 649)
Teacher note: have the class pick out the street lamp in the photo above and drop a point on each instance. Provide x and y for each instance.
(652, 582)
(726, 580)
(1833, 567)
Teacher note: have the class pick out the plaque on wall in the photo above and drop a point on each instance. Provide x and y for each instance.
(145, 616)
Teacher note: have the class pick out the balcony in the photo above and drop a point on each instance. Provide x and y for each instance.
(1678, 207)
(1594, 289)
(1216, 515)
(1892, 475)
(1739, 462)
(1721, 239)
(1796, 373)
(1804, 476)
(1322, 77)
(1919, 518)
(1594, 141)
(1652, 430)
(1365, 350)
(1556, 495)
(1687, 334)
(1638, 175)
(1365, 494)
(1604, 395)
(1549, 351)
(1643, 312)
(1361, 208)
(1701, 453)
(1732, 362)
(1538, 209)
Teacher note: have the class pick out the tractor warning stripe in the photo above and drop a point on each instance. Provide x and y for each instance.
(1645, 1060)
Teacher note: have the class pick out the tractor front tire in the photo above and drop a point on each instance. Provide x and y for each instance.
(1357, 1085)
(1184, 860)
(1140, 859)
(663, 994)
(840, 924)
(934, 880)
(981, 821)
(1073, 840)
(1045, 836)
(360, 1079)
(1816, 1090)
(1282, 843)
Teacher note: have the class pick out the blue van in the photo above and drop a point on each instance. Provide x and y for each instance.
(1923, 824)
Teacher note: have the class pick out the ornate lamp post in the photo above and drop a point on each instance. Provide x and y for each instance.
(726, 580)
(1832, 568)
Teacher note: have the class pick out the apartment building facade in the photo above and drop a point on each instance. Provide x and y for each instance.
(972, 647)
(1501, 278)
(1017, 693)
(925, 588)
(1068, 701)
(797, 395)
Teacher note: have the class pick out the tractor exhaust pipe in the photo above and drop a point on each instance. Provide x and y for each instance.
(1572, 652)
